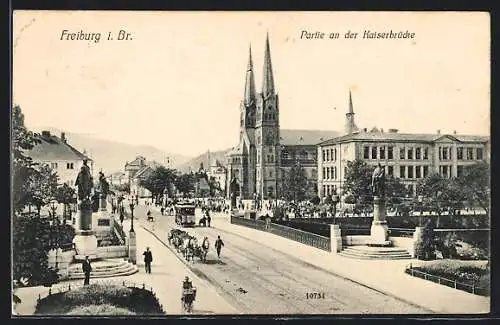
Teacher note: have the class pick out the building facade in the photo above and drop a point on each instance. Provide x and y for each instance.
(409, 157)
(59, 155)
(136, 171)
(258, 164)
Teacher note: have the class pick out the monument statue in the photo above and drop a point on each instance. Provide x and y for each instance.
(84, 182)
(103, 185)
(378, 181)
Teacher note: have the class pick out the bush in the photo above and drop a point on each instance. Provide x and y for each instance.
(136, 300)
(105, 309)
(425, 248)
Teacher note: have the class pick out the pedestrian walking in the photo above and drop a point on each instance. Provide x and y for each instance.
(148, 258)
(87, 268)
(218, 245)
(162, 210)
(208, 218)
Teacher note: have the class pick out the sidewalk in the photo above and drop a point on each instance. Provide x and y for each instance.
(385, 276)
(167, 274)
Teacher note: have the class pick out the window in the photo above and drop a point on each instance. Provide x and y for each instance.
(390, 153)
(328, 173)
(284, 154)
(417, 153)
(402, 172)
(334, 170)
(418, 173)
(374, 152)
(366, 152)
(335, 154)
(479, 153)
(402, 152)
(382, 152)
(390, 171)
(410, 171)
(331, 155)
(460, 170)
(445, 153)
(426, 171)
(410, 153)
(53, 165)
(426, 153)
(324, 190)
(270, 173)
(327, 155)
(324, 173)
(460, 153)
(469, 153)
(69, 165)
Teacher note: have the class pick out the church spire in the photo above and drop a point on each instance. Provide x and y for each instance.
(250, 81)
(268, 79)
(349, 116)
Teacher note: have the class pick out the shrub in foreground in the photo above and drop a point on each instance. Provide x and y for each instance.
(105, 309)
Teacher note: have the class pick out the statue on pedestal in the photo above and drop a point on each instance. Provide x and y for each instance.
(84, 182)
(103, 185)
(378, 181)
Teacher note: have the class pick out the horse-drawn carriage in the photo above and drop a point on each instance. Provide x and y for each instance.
(185, 214)
(188, 245)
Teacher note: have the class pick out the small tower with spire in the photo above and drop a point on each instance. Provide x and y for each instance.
(248, 104)
(350, 126)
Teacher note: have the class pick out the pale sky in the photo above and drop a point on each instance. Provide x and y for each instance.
(178, 83)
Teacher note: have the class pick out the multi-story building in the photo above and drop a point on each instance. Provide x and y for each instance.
(58, 154)
(258, 164)
(137, 170)
(406, 156)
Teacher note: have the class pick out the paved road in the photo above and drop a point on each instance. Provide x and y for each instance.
(260, 280)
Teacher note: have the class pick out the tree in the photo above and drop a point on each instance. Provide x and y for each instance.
(295, 184)
(358, 181)
(440, 194)
(43, 185)
(65, 194)
(185, 183)
(158, 180)
(476, 184)
(22, 171)
(125, 187)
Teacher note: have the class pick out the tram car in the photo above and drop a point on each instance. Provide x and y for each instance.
(185, 214)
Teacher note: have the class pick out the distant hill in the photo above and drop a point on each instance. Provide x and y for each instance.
(111, 156)
(205, 158)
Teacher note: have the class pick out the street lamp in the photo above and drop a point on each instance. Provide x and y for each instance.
(335, 200)
(53, 206)
(132, 216)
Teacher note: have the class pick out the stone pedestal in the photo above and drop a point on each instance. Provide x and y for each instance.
(379, 231)
(85, 241)
(335, 239)
(132, 248)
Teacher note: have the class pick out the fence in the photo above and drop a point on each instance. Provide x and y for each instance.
(471, 288)
(69, 287)
(300, 236)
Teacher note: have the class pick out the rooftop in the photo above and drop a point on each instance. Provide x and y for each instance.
(377, 135)
(52, 147)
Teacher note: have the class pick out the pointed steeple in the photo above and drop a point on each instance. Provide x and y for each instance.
(250, 81)
(267, 79)
(351, 108)
(349, 116)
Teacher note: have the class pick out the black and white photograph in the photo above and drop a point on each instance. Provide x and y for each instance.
(201, 163)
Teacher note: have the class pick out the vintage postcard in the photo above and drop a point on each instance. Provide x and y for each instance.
(250, 163)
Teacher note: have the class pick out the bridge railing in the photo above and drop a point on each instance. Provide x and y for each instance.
(297, 235)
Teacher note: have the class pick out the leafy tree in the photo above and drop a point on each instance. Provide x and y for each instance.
(441, 194)
(158, 180)
(185, 183)
(295, 184)
(476, 184)
(65, 194)
(43, 185)
(358, 181)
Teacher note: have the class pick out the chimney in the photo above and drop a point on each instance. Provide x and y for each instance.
(63, 137)
(46, 134)
(393, 130)
(454, 131)
(365, 129)
(438, 131)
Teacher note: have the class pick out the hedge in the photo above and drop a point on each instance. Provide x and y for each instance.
(137, 300)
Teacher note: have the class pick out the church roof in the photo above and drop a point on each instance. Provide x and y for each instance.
(377, 135)
(305, 137)
(51, 147)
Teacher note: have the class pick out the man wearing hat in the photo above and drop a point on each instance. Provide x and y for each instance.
(87, 268)
(148, 258)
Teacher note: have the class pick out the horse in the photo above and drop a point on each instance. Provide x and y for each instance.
(205, 245)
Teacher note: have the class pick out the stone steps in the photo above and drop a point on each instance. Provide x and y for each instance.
(371, 253)
(104, 269)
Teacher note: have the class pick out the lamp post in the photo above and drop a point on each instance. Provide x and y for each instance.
(335, 200)
(53, 206)
(132, 205)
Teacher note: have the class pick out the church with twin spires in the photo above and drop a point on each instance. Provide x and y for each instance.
(265, 153)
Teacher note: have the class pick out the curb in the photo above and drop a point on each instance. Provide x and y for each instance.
(186, 263)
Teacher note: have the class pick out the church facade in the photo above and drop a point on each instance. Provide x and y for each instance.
(257, 166)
